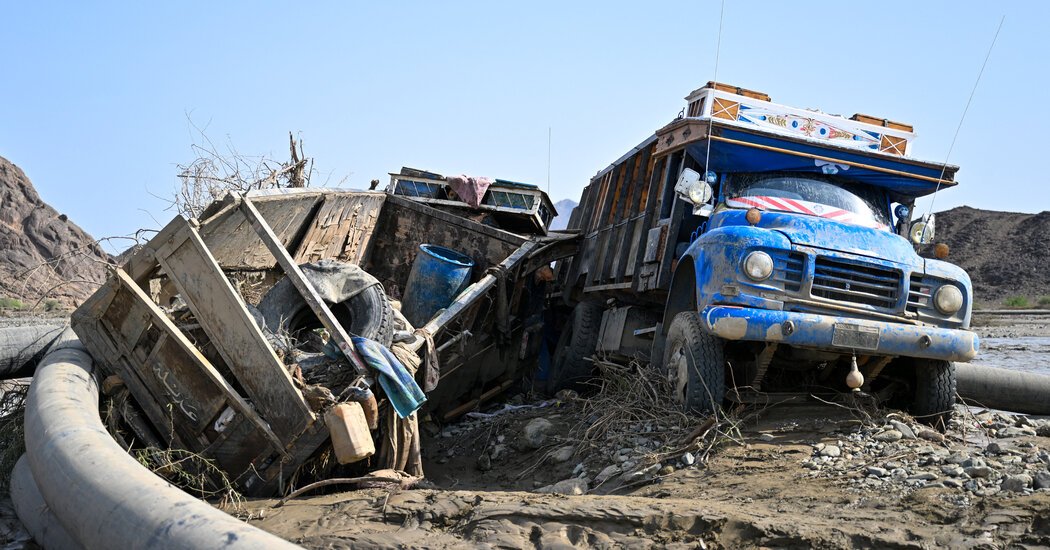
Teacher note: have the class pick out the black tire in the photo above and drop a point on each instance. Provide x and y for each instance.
(367, 314)
(571, 367)
(934, 399)
(695, 364)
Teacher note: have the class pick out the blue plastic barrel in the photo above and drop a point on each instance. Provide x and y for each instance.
(438, 275)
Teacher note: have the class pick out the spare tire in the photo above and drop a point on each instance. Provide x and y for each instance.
(356, 299)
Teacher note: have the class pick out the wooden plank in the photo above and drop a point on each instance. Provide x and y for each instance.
(192, 356)
(307, 290)
(234, 333)
(342, 228)
(234, 245)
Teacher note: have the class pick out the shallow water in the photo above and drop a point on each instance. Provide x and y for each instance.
(1029, 354)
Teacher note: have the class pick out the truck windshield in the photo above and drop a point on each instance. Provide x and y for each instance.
(811, 196)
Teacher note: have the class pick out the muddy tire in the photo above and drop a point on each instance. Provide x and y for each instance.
(571, 366)
(368, 313)
(695, 364)
(934, 398)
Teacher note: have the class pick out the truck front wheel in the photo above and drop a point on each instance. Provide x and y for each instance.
(571, 366)
(934, 392)
(695, 364)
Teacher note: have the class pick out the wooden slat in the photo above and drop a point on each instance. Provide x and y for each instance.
(192, 357)
(342, 228)
(299, 281)
(231, 329)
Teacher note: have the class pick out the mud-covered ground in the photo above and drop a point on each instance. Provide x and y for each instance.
(806, 475)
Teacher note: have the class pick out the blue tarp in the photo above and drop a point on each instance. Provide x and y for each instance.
(863, 168)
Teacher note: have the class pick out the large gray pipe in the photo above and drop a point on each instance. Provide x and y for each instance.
(37, 518)
(100, 494)
(1007, 390)
(21, 347)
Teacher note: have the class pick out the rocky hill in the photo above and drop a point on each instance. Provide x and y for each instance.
(1007, 254)
(43, 255)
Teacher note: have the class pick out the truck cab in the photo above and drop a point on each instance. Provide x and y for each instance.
(769, 252)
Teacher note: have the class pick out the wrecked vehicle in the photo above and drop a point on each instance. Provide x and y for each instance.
(760, 252)
(273, 337)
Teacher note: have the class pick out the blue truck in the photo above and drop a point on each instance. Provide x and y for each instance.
(758, 252)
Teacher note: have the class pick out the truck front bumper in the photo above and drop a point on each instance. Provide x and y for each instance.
(845, 334)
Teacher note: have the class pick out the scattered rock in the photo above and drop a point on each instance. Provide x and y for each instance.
(993, 448)
(484, 462)
(1016, 483)
(536, 433)
(930, 435)
(888, 436)
(983, 472)
(607, 473)
(953, 470)
(1044, 429)
(563, 454)
(645, 473)
(922, 476)
(574, 486)
(765, 437)
(1042, 480)
(688, 459)
(831, 451)
(904, 429)
(877, 472)
(666, 470)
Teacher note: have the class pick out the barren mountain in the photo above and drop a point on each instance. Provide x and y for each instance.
(43, 255)
(1007, 254)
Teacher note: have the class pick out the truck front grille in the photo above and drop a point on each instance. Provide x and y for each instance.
(856, 283)
(919, 294)
(789, 269)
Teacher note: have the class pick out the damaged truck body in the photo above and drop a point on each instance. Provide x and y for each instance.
(240, 336)
(753, 249)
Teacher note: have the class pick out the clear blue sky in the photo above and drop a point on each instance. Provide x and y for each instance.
(95, 98)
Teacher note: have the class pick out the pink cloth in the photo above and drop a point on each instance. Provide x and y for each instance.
(469, 189)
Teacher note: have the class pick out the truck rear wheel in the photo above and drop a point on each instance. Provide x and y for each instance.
(695, 364)
(571, 366)
(934, 398)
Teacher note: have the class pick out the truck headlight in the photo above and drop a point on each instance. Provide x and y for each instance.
(758, 265)
(948, 299)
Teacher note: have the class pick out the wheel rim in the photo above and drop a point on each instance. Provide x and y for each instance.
(678, 372)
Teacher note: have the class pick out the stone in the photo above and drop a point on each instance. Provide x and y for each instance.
(563, 454)
(1044, 429)
(644, 473)
(1016, 483)
(922, 476)
(831, 451)
(607, 473)
(953, 470)
(688, 459)
(484, 462)
(536, 433)
(498, 451)
(888, 436)
(1012, 431)
(877, 472)
(1041, 480)
(932, 436)
(574, 486)
(973, 461)
(765, 437)
(956, 458)
(983, 472)
(953, 483)
(994, 448)
(904, 429)
(666, 470)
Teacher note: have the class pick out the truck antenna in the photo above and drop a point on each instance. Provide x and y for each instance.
(548, 160)
(944, 167)
(711, 119)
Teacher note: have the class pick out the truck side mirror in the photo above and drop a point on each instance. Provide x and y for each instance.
(922, 230)
(693, 189)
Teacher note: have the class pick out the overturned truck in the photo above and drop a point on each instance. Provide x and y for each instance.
(236, 336)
